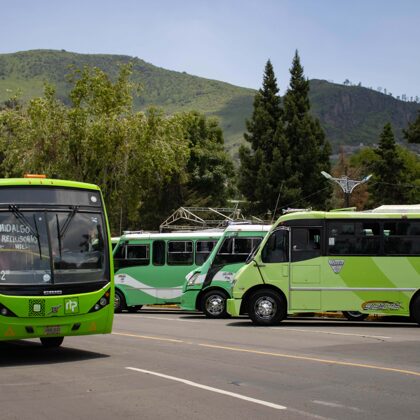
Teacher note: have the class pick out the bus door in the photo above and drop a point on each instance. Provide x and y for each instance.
(275, 260)
(305, 268)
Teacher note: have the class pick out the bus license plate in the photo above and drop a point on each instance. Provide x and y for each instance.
(54, 329)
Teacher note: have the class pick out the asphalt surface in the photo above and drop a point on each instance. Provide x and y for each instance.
(171, 364)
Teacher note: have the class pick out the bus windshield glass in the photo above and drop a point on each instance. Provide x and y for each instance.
(39, 248)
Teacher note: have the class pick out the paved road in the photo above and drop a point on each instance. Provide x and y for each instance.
(168, 364)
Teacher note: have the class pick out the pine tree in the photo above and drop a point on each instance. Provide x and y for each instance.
(389, 183)
(412, 134)
(255, 180)
(309, 150)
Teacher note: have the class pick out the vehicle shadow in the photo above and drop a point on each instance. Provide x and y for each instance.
(25, 352)
(386, 322)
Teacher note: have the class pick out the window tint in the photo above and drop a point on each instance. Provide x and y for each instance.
(402, 238)
(203, 250)
(180, 253)
(354, 238)
(158, 252)
(131, 255)
(235, 250)
(276, 248)
(306, 243)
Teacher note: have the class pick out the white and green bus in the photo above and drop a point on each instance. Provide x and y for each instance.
(56, 272)
(207, 287)
(366, 262)
(150, 268)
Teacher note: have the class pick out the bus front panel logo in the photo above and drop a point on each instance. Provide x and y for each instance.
(336, 265)
(71, 306)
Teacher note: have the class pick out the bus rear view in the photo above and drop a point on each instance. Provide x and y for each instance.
(55, 260)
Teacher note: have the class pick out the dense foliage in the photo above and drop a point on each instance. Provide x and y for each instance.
(98, 138)
(349, 115)
(288, 148)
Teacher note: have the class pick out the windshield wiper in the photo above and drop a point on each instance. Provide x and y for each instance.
(21, 217)
(66, 224)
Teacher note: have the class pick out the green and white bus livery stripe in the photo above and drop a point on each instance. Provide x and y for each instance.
(207, 288)
(357, 262)
(150, 268)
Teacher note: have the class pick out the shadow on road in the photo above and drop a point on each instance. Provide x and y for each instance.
(24, 352)
(385, 322)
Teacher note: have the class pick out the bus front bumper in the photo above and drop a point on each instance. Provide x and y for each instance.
(189, 300)
(233, 306)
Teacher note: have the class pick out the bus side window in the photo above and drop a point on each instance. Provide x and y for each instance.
(306, 243)
(158, 252)
(276, 249)
(180, 253)
(202, 251)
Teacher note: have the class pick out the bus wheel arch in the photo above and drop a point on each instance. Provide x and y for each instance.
(265, 305)
(212, 302)
(415, 307)
(119, 301)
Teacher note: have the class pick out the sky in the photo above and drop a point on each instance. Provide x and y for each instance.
(375, 42)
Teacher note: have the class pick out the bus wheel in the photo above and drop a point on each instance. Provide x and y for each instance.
(119, 302)
(51, 342)
(355, 315)
(134, 309)
(266, 307)
(214, 304)
(415, 309)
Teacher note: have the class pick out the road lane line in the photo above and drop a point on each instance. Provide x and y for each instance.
(329, 332)
(148, 337)
(313, 359)
(280, 355)
(336, 405)
(209, 388)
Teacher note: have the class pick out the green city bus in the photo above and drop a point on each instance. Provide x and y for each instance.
(366, 262)
(207, 287)
(56, 272)
(150, 268)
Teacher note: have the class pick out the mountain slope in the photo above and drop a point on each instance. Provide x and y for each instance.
(350, 115)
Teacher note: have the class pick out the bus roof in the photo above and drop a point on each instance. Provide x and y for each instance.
(348, 215)
(45, 182)
(248, 228)
(173, 235)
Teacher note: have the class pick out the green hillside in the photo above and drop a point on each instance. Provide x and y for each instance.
(350, 115)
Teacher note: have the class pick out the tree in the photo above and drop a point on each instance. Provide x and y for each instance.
(389, 183)
(98, 139)
(262, 134)
(412, 134)
(309, 150)
(208, 176)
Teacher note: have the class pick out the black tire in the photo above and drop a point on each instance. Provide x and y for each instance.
(214, 304)
(119, 302)
(134, 309)
(415, 309)
(355, 315)
(267, 307)
(51, 342)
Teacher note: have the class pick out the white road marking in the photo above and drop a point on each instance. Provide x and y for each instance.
(209, 388)
(380, 337)
(335, 405)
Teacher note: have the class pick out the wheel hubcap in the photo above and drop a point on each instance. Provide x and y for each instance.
(116, 301)
(215, 305)
(265, 307)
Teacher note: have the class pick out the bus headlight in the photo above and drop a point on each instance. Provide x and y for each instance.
(193, 280)
(102, 302)
(5, 311)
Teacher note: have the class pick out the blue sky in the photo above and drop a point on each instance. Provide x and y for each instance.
(375, 42)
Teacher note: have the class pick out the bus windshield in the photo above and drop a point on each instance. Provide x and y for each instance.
(38, 248)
